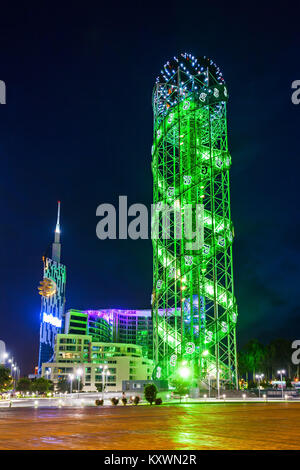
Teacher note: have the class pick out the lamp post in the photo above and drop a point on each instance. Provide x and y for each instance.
(18, 373)
(79, 374)
(259, 378)
(281, 372)
(208, 386)
(71, 377)
(4, 357)
(105, 372)
(106, 380)
(14, 375)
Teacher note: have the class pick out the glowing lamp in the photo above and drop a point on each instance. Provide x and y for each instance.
(184, 372)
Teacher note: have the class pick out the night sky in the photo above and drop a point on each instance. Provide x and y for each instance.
(77, 127)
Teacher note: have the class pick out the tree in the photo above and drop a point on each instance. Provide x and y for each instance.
(5, 379)
(63, 385)
(243, 364)
(41, 385)
(181, 386)
(51, 386)
(24, 385)
(282, 356)
(257, 358)
(77, 386)
(150, 392)
(252, 358)
(136, 400)
(288, 382)
(257, 354)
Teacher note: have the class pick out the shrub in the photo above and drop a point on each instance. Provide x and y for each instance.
(114, 401)
(181, 386)
(40, 385)
(24, 385)
(99, 402)
(158, 401)
(150, 392)
(252, 384)
(136, 400)
(124, 401)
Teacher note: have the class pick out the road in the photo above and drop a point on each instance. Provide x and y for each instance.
(186, 426)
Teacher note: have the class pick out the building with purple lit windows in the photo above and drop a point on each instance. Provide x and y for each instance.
(113, 325)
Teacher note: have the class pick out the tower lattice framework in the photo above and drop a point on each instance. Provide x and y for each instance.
(193, 304)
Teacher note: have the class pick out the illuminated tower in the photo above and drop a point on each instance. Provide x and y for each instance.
(52, 290)
(193, 304)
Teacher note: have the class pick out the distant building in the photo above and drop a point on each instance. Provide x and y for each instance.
(89, 339)
(79, 322)
(122, 361)
(53, 298)
(2, 352)
(137, 386)
(113, 325)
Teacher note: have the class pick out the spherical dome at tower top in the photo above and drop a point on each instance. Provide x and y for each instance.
(201, 67)
(186, 77)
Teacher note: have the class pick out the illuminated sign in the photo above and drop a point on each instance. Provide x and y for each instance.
(47, 287)
(190, 348)
(52, 320)
(173, 360)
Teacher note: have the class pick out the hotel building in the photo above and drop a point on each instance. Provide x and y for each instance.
(75, 353)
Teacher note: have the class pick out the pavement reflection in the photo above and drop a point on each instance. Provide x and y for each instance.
(186, 426)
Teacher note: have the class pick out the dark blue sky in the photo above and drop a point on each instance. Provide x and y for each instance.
(77, 127)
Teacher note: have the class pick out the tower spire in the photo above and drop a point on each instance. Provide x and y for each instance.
(57, 228)
(56, 247)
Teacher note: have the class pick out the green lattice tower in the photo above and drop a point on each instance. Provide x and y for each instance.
(193, 304)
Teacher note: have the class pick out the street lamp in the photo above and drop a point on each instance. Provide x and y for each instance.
(79, 374)
(281, 372)
(184, 372)
(209, 377)
(259, 378)
(5, 356)
(106, 379)
(218, 382)
(14, 368)
(105, 372)
(71, 377)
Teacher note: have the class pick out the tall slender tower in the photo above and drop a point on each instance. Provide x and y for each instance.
(52, 290)
(193, 304)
